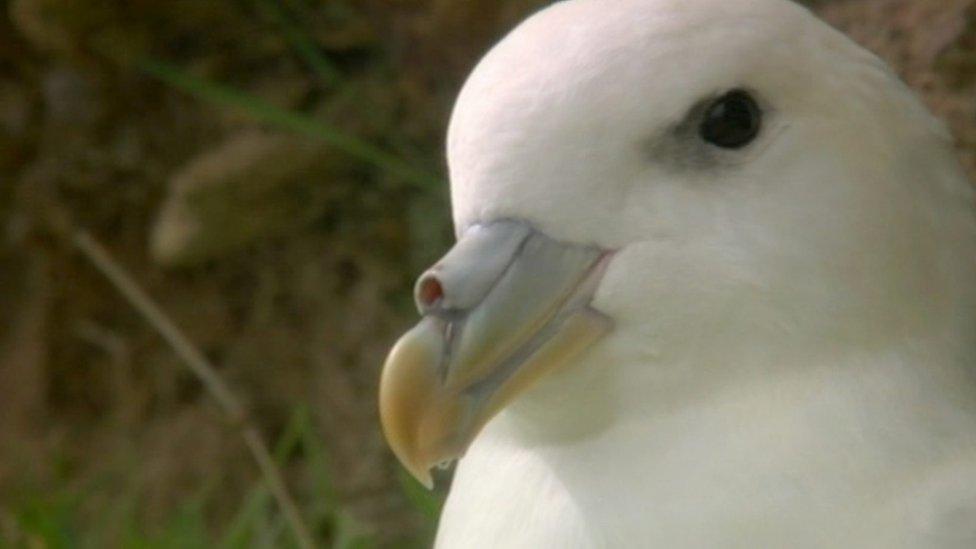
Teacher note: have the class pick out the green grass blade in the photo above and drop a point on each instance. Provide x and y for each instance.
(49, 522)
(238, 532)
(188, 528)
(427, 502)
(318, 461)
(265, 112)
(350, 535)
(303, 45)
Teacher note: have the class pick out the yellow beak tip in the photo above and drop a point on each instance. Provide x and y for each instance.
(422, 476)
(407, 387)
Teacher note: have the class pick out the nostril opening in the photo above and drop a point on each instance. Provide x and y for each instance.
(430, 292)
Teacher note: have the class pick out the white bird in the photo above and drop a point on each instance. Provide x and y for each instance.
(714, 286)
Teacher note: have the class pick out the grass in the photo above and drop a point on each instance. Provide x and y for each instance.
(59, 521)
(297, 122)
(291, 121)
(304, 46)
(62, 520)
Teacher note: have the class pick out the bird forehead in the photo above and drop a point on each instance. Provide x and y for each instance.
(622, 63)
(584, 79)
(553, 121)
(572, 32)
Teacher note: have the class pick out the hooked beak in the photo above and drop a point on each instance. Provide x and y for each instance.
(504, 307)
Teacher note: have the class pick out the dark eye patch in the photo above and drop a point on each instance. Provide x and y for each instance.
(731, 121)
(712, 133)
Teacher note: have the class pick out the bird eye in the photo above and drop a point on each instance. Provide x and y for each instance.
(732, 121)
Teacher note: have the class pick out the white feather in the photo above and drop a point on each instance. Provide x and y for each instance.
(794, 352)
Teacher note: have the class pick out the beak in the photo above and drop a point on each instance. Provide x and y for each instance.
(503, 308)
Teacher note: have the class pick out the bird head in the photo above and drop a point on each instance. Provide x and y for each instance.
(673, 185)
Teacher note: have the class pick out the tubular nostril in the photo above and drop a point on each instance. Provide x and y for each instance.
(429, 292)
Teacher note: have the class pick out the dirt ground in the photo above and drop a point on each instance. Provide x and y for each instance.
(288, 262)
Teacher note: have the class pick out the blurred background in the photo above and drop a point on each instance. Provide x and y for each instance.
(271, 173)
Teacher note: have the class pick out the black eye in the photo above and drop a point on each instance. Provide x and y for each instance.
(732, 121)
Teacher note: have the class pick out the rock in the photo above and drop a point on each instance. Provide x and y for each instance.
(71, 97)
(15, 124)
(36, 20)
(931, 44)
(254, 185)
(24, 307)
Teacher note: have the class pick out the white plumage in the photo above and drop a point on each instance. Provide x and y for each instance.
(792, 363)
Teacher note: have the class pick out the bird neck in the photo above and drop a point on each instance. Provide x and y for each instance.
(909, 383)
(792, 443)
(628, 446)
